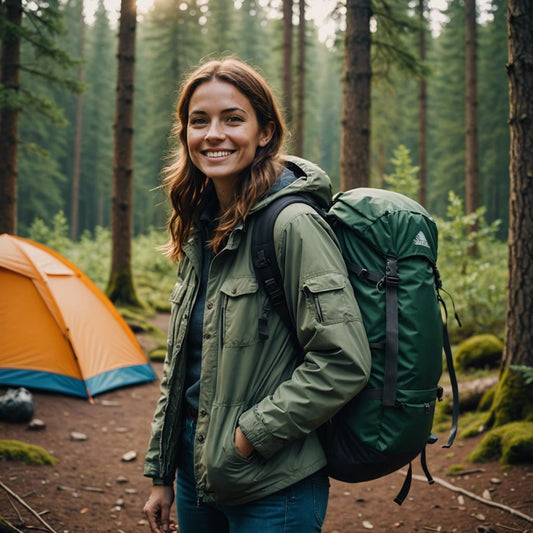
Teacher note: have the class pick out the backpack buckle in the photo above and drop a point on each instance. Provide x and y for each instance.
(391, 272)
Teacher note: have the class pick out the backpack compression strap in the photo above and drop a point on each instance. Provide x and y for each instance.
(389, 283)
(265, 261)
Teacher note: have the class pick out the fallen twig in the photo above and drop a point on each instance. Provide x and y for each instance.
(23, 503)
(473, 496)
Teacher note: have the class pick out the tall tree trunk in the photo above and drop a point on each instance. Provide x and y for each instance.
(355, 130)
(472, 166)
(422, 110)
(287, 60)
(9, 119)
(120, 287)
(514, 399)
(76, 170)
(300, 96)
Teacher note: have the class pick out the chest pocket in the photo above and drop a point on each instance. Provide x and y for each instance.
(241, 307)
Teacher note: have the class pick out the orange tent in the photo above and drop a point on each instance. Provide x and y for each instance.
(58, 331)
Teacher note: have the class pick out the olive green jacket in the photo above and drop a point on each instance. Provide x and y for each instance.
(277, 397)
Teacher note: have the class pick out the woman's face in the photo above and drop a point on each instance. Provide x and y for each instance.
(223, 132)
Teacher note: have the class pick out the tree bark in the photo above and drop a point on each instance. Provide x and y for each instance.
(472, 166)
(287, 60)
(519, 330)
(120, 287)
(76, 170)
(513, 400)
(300, 96)
(9, 119)
(355, 122)
(422, 111)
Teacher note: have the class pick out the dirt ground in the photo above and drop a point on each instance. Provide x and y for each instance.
(93, 489)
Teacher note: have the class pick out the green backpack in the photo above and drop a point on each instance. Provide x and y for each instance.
(389, 243)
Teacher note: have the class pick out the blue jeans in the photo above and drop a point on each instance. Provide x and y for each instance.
(300, 508)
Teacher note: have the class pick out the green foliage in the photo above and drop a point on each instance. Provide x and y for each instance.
(14, 450)
(453, 470)
(475, 282)
(479, 351)
(55, 237)
(526, 371)
(511, 443)
(404, 179)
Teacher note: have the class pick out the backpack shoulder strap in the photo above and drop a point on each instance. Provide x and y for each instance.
(264, 257)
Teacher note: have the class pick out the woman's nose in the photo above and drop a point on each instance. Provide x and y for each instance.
(214, 132)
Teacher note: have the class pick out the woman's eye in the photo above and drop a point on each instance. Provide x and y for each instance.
(235, 119)
(197, 121)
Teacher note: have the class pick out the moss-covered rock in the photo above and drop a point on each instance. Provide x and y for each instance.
(479, 351)
(158, 353)
(14, 450)
(511, 443)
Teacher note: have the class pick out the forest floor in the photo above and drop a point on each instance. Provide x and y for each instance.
(92, 488)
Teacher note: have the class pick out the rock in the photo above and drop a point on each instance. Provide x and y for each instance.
(486, 495)
(121, 480)
(367, 524)
(110, 403)
(77, 436)
(36, 424)
(495, 481)
(129, 456)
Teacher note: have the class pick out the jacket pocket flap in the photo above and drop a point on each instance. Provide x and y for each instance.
(239, 286)
(178, 292)
(325, 282)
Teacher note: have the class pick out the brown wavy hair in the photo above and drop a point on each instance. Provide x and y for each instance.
(186, 184)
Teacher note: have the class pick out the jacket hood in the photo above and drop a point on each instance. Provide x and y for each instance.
(300, 177)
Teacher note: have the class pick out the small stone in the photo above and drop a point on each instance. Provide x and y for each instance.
(130, 491)
(367, 524)
(142, 522)
(495, 481)
(110, 403)
(121, 480)
(129, 456)
(77, 436)
(486, 495)
(460, 500)
(36, 424)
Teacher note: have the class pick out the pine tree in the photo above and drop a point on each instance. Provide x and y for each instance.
(300, 94)
(286, 66)
(97, 146)
(355, 133)
(493, 115)
(472, 170)
(32, 62)
(446, 114)
(120, 286)
(513, 398)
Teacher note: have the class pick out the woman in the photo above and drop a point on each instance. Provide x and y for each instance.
(238, 411)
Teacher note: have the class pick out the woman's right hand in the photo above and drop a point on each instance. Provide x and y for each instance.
(157, 509)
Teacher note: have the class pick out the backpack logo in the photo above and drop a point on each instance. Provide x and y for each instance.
(420, 240)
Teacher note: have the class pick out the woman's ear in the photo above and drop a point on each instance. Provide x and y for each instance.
(266, 134)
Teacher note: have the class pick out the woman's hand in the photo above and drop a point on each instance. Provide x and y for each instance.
(157, 509)
(242, 443)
